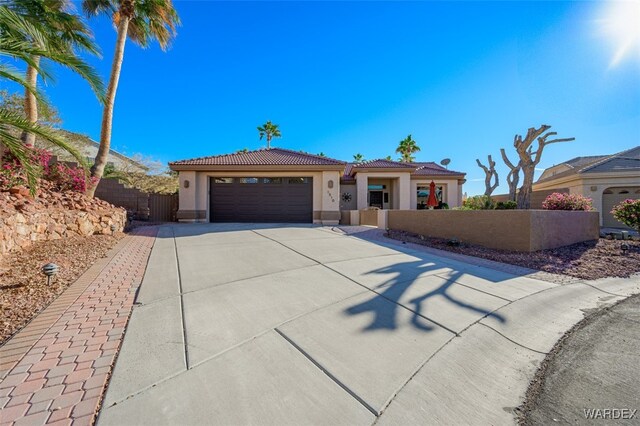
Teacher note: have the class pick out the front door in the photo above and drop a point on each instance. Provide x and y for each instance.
(375, 199)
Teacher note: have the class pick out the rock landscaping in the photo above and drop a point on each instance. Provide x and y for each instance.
(588, 260)
(53, 225)
(24, 291)
(52, 215)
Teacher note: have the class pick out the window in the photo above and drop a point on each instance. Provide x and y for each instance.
(272, 180)
(377, 187)
(297, 180)
(248, 180)
(423, 196)
(222, 180)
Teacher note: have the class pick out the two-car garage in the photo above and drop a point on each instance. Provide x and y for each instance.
(273, 185)
(261, 199)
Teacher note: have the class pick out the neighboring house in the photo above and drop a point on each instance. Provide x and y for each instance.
(607, 179)
(89, 148)
(280, 185)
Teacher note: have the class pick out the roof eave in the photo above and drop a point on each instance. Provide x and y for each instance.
(440, 176)
(253, 168)
(356, 170)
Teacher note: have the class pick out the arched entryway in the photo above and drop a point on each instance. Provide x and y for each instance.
(612, 197)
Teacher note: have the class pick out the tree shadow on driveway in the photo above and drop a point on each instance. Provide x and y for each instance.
(385, 304)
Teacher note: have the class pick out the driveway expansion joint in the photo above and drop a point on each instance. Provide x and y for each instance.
(328, 373)
(184, 328)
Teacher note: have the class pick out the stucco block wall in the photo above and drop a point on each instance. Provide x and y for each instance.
(350, 189)
(369, 217)
(515, 230)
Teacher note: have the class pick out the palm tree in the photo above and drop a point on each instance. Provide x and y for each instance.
(270, 131)
(406, 148)
(141, 21)
(358, 158)
(65, 30)
(23, 40)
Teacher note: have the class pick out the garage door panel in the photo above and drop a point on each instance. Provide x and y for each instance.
(276, 201)
(611, 198)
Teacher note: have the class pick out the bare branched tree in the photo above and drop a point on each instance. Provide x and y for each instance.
(513, 178)
(489, 174)
(529, 158)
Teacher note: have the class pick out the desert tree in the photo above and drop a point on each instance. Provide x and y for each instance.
(358, 158)
(529, 158)
(490, 174)
(140, 21)
(513, 178)
(269, 131)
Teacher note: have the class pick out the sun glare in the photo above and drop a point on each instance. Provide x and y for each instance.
(620, 23)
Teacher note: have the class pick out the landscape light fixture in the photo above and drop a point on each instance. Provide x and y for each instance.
(625, 248)
(113, 228)
(50, 269)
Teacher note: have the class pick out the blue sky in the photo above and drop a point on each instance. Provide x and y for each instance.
(345, 77)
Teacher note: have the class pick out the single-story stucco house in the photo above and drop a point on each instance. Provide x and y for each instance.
(280, 185)
(607, 179)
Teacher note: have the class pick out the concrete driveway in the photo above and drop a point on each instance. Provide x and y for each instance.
(268, 324)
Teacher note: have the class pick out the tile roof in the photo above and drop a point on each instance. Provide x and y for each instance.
(624, 161)
(421, 168)
(435, 170)
(261, 157)
(382, 164)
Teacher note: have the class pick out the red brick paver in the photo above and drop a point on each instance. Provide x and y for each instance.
(61, 378)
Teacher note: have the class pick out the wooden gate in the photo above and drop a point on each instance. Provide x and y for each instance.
(163, 208)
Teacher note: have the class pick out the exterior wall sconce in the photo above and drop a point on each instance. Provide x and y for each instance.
(330, 184)
(185, 184)
(594, 188)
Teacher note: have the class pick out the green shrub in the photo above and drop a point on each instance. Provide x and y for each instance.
(478, 202)
(628, 212)
(506, 205)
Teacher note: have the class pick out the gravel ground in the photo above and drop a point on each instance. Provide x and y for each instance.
(23, 288)
(594, 366)
(589, 260)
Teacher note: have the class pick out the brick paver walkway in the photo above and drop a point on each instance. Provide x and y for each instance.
(61, 378)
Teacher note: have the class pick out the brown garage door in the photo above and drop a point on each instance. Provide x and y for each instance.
(251, 199)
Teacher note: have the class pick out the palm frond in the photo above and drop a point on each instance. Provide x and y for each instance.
(11, 119)
(19, 150)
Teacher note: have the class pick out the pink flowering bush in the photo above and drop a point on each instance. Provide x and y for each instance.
(563, 201)
(62, 176)
(68, 178)
(628, 212)
(12, 171)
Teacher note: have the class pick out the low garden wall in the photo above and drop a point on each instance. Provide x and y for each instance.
(51, 216)
(515, 230)
(369, 217)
